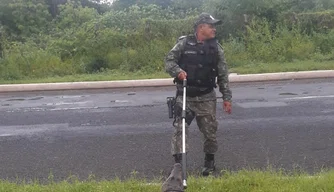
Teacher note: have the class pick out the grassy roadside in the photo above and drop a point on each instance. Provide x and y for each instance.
(103, 76)
(243, 181)
(284, 67)
(118, 75)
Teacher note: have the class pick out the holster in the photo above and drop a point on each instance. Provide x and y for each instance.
(171, 103)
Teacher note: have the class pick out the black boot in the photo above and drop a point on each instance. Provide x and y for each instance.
(209, 164)
(178, 158)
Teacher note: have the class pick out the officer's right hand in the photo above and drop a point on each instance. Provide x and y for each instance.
(227, 107)
(182, 75)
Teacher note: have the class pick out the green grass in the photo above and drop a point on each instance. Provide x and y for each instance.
(103, 76)
(119, 75)
(243, 181)
(283, 67)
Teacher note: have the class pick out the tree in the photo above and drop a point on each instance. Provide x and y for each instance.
(124, 4)
(187, 4)
(26, 17)
(101, 6)
(53, 6)
(72, 15)
(6, 17)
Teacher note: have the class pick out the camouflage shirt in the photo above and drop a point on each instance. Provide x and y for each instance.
(172, 67)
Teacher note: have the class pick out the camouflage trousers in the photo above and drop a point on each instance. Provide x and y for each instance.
(205, 114)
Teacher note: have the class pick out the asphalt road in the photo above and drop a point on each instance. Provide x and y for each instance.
(126, 132)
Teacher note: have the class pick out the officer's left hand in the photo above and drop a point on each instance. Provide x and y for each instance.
(227, 107)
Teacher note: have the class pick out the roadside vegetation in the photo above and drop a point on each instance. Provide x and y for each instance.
(243, 181)
(60, 40)
(92, 40)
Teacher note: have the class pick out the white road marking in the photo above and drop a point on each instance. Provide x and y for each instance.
(63, 103)
(72, 108)
(121, 101)
(28, 130)
(261, 104)
(309, 97)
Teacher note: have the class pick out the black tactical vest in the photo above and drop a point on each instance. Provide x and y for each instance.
(199, 60)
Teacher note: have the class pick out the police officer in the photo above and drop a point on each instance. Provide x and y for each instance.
(200, 59)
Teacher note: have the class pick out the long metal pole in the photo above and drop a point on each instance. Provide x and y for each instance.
(184, 155)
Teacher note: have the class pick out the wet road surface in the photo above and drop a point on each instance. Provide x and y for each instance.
(119, 133)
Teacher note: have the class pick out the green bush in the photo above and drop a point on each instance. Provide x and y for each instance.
(235, 52)
(279, 45)
(27, 60)
(324, 42)
(80, 40)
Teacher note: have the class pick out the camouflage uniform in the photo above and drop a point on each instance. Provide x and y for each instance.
(203, 107)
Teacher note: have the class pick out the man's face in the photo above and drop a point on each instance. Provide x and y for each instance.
(208, 31)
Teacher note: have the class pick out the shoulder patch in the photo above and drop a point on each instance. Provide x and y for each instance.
(182, 37)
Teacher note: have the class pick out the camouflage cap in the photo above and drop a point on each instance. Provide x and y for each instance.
(206, 18)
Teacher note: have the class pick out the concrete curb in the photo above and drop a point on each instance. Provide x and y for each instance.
(162, 82)
(282, 76)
